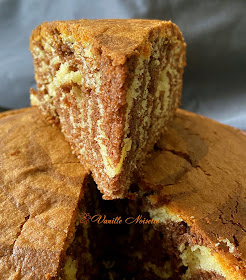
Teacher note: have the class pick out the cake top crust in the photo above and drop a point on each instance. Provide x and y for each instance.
(41, 185)
(198, 173)
(115, 38)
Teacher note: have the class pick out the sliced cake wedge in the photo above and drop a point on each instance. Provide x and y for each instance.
(113, 85)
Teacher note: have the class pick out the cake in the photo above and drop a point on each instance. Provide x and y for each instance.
(41, 196)
(112, 85)
(196, 185)
(192, 187)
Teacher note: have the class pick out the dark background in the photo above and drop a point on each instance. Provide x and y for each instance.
(215, 76)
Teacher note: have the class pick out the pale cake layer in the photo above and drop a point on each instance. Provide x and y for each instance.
(113, 85)
(197, 174)
(41, 187)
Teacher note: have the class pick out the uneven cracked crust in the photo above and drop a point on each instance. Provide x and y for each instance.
(113, 85)
(197, 177)
(41, 186)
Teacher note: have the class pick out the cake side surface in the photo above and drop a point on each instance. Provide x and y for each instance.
(197, 175)
(111, 109)
(41, 186)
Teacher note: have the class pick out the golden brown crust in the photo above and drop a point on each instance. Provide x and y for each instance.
(198, 172)
(41, 185)
(118, 39)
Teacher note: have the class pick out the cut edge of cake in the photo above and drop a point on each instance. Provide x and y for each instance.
(113, 85)
(198, 258)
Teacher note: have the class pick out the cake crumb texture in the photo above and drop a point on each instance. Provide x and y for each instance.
(113, 85)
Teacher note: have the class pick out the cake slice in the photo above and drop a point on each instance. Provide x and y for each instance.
(197, 178)
(41, 200)
(113, 85)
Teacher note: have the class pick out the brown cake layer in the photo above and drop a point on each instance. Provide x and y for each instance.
(197, 177)
(113, 85)
(41, 187)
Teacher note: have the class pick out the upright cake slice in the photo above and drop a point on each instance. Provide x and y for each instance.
(113, 85)
(198, 175)
(41, 195)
